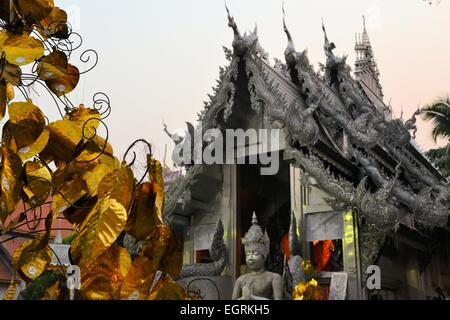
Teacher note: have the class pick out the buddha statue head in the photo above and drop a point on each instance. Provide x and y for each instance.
(256, 244)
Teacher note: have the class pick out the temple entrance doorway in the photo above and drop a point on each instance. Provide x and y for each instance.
(269, 197)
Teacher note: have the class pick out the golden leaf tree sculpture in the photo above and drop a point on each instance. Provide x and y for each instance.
(98, 194)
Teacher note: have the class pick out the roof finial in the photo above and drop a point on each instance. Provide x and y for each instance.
(324, 30)
(290, 47)
(328, 46)
(364, 23)
(232, 23)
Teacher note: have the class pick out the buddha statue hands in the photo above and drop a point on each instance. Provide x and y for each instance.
(258, 284)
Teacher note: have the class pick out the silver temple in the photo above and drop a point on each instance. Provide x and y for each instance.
(349, 173)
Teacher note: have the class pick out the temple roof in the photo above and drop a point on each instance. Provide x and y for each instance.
(338, 130)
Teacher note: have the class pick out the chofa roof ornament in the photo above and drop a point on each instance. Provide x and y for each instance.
(290, 53)
(241, 44)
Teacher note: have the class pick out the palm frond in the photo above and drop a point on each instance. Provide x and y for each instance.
(441, 158)
(439, 113)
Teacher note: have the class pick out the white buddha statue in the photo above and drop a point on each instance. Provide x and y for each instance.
(258, 284)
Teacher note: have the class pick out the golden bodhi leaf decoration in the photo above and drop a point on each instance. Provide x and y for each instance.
(52, 66)
(67, 194)
(21, 49)
(77, 215)
(157, 183)
(55, 25)
(3, 99)
(143, 218)
(94, 148)
(37, 9)
(11, 170)
(106, 220)
(155, 246)
(38, 180)
(65, 135)
(35, 148)
(66, 82)
(27, 125)
(32, 258)
(6, 95)
(87, 118)
(92, 172)
(138, 281)
(102, 281)
(10, 73)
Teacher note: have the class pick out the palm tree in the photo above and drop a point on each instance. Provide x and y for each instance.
(439, 113)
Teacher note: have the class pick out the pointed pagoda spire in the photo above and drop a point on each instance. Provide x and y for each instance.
(366, 69)
(365, 35)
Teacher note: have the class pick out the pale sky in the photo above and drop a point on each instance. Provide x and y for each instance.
(159, 59)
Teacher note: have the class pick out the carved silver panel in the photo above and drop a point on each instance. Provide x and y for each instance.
(324, 226)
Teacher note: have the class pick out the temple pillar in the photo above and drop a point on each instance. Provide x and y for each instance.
(351, 259)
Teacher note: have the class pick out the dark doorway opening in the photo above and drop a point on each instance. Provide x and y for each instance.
(269, 198)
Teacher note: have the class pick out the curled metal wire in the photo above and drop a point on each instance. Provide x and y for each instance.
(198, 294)
(36, 220)
(85, 133)
(68, 44)
(102, 104)
(133, 145)
(34, 232)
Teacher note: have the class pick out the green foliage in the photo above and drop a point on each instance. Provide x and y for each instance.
(439, 113)
(68, 240)
(441, 158)
(37, 289)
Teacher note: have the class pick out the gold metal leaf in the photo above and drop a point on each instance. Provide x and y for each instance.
(27, 123)
(65, 135)
(157, 181)
(37, 9)
(38, 182)
(64, 83)
(138, 281)
(11, 170)
(67, 194)
(118, 185)
(143, 218)
(155, 246)
(52, 66)
(6, 94)
(103, 279)
(107, 219)
(11, 73)
(35, 148)
(21, 49)
(3, 99)
(32, 258)
(55, 25)
(77, 215)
